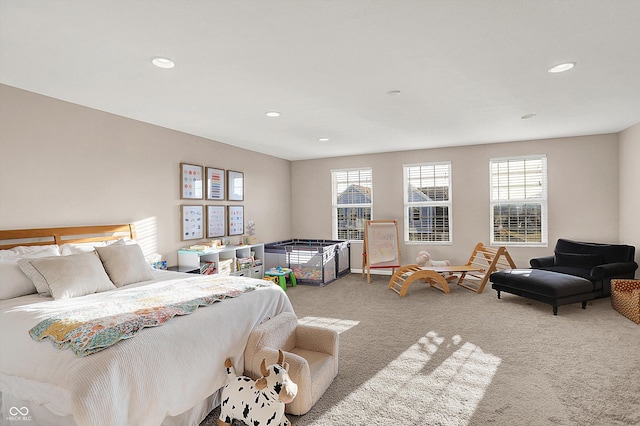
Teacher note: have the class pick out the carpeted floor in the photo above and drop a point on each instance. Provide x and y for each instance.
(470, 359)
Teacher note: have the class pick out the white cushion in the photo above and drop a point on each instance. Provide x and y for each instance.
(125, 264)
(14, 282)
(68, 276)
(36, 278)
(75, 248)
(19, 252)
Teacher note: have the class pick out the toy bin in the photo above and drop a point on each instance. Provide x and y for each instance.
(316, 262)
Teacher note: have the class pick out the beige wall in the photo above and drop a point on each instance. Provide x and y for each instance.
(62, 164)
(583, 193)
(630, 188)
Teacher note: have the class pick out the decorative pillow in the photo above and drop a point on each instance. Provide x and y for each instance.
(14, 282)
(68, 276)
(19, 252)
(125, 264)
(580, 260)
(75, 248)
(34, 275)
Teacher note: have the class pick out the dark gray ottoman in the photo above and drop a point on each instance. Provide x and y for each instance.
(549, 287)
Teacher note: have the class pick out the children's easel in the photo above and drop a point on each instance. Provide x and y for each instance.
(381, 248)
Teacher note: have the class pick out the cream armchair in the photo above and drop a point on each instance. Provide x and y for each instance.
(312, 354)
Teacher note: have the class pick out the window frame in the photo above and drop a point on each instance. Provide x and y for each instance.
(542, 200)
(408, 204)
(334, 199)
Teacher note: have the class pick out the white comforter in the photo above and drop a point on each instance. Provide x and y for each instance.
(161, 372)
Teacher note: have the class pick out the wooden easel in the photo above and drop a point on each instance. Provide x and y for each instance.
(381, 248)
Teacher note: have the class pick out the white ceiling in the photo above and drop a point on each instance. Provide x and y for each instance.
(468, 69)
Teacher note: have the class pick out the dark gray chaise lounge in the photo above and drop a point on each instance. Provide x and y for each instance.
(577, 272)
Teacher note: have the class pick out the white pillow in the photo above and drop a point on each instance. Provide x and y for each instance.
(125, 264)
(33, 274)
(75, 248)
(68, 276)
(19, 252)
(14, 282)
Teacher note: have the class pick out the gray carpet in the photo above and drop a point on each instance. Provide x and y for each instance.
(470, 359)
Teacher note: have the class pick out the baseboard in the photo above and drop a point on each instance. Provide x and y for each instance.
(373, 271)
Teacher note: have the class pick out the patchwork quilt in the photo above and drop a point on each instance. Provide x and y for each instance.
(98, 326)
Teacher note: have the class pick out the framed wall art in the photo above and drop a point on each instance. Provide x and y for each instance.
(236, 220)
(192, 222)
(215, 183)
(216, 221)
(190, 182)
(235, 186)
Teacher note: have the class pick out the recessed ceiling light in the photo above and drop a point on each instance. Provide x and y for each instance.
(527, 116)
(162, 62)
(561, 67)
(272, 114)
(323, 139)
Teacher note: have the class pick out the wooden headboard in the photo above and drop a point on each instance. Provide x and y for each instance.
(73, 234)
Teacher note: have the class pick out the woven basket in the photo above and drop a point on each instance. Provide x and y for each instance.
(625, 298)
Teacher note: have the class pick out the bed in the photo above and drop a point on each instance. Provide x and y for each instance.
(169, 374)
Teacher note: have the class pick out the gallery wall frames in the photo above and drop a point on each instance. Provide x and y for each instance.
(192, 222)
(190, 182)
(210, 184)
(236, 220)
(215, 183)
(235, 185)
(216, 221)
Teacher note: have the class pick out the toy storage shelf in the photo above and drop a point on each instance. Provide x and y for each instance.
(317, 262)
(225, 260)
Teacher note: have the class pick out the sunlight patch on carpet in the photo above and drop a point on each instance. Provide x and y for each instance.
(437, 380)
(336, 324)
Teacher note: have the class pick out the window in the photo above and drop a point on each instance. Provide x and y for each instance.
(352, 202)
(519, 200)
(427, 202)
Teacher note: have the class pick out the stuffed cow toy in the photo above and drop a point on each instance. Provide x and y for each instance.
(260, 402)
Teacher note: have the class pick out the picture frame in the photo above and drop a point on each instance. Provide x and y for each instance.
(235, 215)
(235, 185)
(216, 221)
(215, 183)
(191, 222)
(191, 182)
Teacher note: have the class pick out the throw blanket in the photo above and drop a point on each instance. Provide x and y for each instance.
(96, 327)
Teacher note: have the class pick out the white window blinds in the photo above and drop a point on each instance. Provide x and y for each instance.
(352, 202)
(519, 200)
(427, 202)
